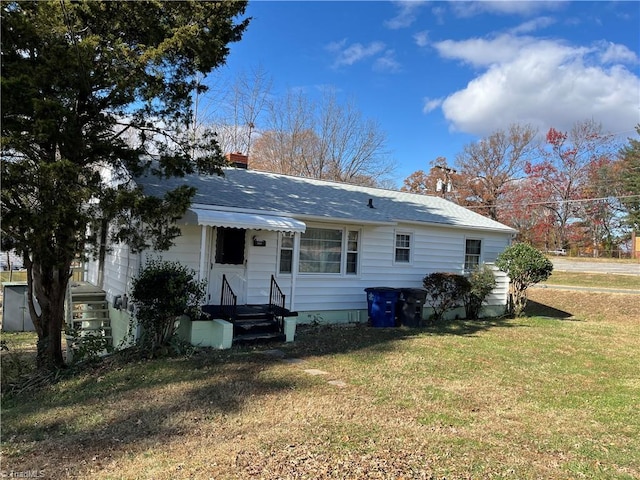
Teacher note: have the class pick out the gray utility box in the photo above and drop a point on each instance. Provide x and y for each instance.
(15, 308)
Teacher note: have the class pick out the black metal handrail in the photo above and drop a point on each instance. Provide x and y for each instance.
(277, 301)
(228, 299)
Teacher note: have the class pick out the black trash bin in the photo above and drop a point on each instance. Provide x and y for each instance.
(410, 305)
(381, 306)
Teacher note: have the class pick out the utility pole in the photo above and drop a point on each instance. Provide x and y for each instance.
(445, 185)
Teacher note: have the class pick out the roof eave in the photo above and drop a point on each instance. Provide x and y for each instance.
(505, 229)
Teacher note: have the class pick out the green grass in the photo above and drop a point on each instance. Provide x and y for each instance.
(536, 397)
(22, 341)
(17, 356)
(578, 279)
(596, 259)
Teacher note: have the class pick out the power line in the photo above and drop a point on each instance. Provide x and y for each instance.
(552, 202)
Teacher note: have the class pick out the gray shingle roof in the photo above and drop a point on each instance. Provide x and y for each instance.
(302, 198)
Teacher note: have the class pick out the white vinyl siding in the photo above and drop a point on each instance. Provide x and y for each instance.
(433, 249)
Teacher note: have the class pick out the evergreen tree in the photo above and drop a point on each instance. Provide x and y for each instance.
(91, 91)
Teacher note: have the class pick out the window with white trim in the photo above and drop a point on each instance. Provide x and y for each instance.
(286, 252)
(473, 248)
(403, 248)
(322, 250)
(353, 237)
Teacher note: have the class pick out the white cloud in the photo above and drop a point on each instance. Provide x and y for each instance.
(430, 104)
(481, 52)
(612, 53)
(356, 52)
(387, 63)
(407, 14)
(543, 82)
(533, 25)
(384, 59)
(505, 7)
(439, 14)
(422, 38)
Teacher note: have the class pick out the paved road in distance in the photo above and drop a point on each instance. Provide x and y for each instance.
(565, 265)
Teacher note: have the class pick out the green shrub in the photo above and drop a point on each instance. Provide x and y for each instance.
(162, 293)
(444, 291)
(525, 266)
(87, 347)
(482, 282)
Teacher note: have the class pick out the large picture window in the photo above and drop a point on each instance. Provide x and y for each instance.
(472, 254)
(320, 251)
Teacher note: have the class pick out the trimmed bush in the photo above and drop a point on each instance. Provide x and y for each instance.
(444, 292)
(482, 281)
(161, 293)
(525, 267)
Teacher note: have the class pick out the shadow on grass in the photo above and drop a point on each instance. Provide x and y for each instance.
(344, 339)
(118, 407)
(535, 309)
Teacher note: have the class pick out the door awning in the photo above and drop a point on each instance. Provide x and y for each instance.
(249, 221)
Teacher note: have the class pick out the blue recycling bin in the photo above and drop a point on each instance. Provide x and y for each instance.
(381, 306)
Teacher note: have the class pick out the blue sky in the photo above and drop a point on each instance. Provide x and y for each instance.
(439, 75)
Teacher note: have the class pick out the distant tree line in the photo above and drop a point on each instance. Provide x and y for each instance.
(577, 190)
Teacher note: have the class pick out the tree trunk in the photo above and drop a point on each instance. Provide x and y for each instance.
(48, 287)
(49, 353)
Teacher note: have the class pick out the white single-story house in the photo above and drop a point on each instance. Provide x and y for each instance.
(322, 242)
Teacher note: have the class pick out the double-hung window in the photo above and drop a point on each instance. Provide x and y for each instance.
(322, 250)
(352, 252)
(286, 253)
(472, 254)
(403, 248)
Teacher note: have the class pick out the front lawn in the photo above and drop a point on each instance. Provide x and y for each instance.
(553, 396)
(595, 280)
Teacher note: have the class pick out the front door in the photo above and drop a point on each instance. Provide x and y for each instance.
(229, 259)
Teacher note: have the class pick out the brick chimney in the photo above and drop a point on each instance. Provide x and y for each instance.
(238, 160)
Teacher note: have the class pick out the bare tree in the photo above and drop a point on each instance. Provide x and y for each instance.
(490, 164)
(289, 143)
(352, 148)
(325, 140)
(233, 108)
